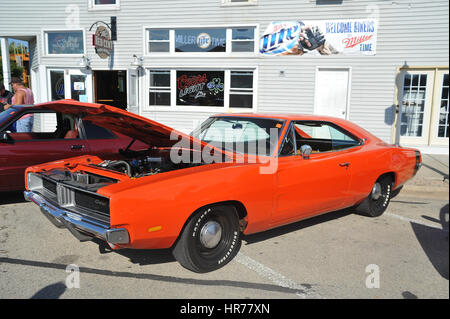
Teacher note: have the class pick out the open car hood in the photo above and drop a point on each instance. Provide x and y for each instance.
(126, 123)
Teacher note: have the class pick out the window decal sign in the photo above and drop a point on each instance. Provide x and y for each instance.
(200, 88)
(200, 40)
(65, 42)
(324, 37)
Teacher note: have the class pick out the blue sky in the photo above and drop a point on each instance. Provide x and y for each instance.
(18, 42)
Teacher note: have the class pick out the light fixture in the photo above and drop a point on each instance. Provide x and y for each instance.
(138, 62)
(85, 62)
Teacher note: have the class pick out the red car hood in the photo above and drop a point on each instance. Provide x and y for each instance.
(129, 124)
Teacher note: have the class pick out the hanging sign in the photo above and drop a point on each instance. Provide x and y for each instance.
(102, 42)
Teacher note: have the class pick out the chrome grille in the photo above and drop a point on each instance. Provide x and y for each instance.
(65, 195)
(84, 203)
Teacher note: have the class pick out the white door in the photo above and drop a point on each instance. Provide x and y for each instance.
(439, 133)
(416, 97)
(332, 92)
(69, 84)
(133, 91)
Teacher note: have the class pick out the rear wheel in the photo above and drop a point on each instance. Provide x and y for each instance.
(209, 240)
(378, 200)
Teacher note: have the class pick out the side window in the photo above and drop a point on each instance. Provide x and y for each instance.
(96, 132)
(38, 123)
(43, 126)
(288, 147)
(323, 136)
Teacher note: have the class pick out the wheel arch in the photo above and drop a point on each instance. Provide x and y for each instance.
(391, 175)
(239, 206)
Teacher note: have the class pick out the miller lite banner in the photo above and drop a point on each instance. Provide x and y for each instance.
(324, 37)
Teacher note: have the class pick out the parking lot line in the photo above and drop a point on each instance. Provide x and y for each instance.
(303, 291)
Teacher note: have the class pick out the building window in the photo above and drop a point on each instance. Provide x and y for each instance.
(104, 5)
(159, 40)
(241, 89)
(192, 89)
(200, 88)
(243, 39)
(64, 42)
(443, 112)
(97, 2)
(202, 40)
(159, 88)
(238, 2)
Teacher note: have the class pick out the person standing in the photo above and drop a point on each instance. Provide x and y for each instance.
(5, 97)
(22, 95)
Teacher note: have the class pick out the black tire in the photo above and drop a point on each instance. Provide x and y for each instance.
(377, 202)
(199, 250)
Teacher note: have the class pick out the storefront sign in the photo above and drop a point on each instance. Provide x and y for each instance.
(324, 37)
(67, 42)
(200, 40)
(200, 88)
(102, 42)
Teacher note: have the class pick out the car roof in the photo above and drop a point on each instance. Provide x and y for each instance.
(281, 116)
(352, 127)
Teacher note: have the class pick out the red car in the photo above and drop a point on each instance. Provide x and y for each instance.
(240, 174)
(54, 136)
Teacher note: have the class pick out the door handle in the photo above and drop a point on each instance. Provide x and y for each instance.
(346, 164)
(77, 147)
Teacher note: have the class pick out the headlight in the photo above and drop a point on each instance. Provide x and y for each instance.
(34, 182)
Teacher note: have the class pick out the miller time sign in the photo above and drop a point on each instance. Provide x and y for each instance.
(102, 42)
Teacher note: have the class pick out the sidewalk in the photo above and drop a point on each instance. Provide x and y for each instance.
(431, 180)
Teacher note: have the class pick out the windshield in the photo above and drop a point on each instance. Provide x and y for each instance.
(244, 135)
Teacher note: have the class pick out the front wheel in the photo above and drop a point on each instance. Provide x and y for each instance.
(209, 240)
(378, 200)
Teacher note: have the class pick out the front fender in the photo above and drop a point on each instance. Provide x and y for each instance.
(154, 210)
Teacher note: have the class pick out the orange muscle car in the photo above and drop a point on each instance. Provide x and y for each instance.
(235, 174)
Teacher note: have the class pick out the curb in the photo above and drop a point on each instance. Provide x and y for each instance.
(431, 192)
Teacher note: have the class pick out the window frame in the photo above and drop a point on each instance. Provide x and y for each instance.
(45, 43)
(83, 132)
(226, 3)
(159, 89)
(34, 111)
(173, 53)
(103, 7)
(330, 124)
(173, 107)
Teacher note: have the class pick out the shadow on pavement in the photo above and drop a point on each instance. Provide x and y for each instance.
(434, 241)
(11, 197)
(53, 291)
(255, 238)
(141, 257)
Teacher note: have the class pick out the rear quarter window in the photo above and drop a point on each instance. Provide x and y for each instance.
(96, 132)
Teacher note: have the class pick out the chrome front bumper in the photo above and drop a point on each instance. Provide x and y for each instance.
(81, 227)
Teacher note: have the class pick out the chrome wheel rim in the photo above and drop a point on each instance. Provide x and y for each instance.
(376, 191)
(210, 234)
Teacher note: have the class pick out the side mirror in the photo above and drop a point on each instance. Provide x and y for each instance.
(4, 137)
(306, 151)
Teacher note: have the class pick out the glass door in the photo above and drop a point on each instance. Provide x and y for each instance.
(416, 97)
(440, 121)
(70, 84)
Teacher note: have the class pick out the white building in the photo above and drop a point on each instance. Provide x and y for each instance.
(167, 53)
